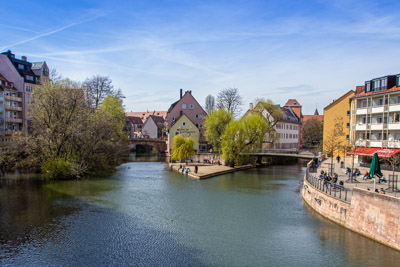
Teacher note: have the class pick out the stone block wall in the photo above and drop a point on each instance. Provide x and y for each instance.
(373, 215)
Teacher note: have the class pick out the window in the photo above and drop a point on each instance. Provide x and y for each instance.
(177, 132)
(184, 123)
(201, 116)
(398, 81)
(183, 106)
(348, 125)
(173, 118)
(191, 106)
(20, 66)
(367, 87)
(348, 113)
(201, 125)
(197, 125)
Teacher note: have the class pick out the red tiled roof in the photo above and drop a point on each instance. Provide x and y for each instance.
(292, 102)
(370, 151)
(363, 93)
(144, 115)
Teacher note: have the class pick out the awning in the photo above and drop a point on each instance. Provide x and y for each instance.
(369, 151)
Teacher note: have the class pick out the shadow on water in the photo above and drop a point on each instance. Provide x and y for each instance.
(40, 225)
(146, 157)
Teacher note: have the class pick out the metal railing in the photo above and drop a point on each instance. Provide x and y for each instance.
(278, 151)
(329, 188)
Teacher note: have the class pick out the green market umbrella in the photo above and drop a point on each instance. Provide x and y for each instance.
(375, 168)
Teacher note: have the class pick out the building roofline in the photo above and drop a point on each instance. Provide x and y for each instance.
(337, 100)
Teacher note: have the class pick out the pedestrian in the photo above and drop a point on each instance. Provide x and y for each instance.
(338, 158)
(196, 169)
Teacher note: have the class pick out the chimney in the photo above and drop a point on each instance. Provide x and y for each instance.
(251, 106)
(23, 58)
(181, 93)
(359, 89)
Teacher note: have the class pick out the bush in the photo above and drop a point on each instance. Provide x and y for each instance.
(57, 169)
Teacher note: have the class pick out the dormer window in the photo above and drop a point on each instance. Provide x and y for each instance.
(20, 66)
(398, 81)
(367, 87)
(384, 84)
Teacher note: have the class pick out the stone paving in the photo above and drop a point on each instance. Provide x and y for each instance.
(206, 170)
(360, 183)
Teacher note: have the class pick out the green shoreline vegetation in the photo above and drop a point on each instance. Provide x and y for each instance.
(77, 130)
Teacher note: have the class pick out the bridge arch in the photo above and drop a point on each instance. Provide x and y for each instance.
(160, 145)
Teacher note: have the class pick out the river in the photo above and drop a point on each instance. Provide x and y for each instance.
(146, 215)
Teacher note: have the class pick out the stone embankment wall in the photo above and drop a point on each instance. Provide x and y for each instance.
(373, 215)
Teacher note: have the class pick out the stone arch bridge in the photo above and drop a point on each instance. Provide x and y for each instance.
(160, 145)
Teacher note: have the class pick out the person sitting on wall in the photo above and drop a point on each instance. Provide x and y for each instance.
(382, 191)
(335, 178)
(356, 172)
(183, 169)
(382, 179)
(180, 167)
(348, 170)
(196, 169)
(321, 176)
(187, 170)
(366, 176)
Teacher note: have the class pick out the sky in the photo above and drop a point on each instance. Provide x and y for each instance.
(312, 51)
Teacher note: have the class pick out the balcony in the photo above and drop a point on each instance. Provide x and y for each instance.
(13, 120)
(394, 107)
(13, 98)
(361, 127)
(362, 143)
(377, 126)
(14, 108)
(379, 109)
(11, 132)
(361, 111)
(393, 144)
(394, 126)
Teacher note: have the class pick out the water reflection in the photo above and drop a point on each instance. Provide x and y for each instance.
(145, 215)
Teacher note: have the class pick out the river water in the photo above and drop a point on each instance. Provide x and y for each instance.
(146, 215)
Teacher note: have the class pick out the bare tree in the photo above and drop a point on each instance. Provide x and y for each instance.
(97, 88)
(230, 100)
(210, 103)
(334, 139)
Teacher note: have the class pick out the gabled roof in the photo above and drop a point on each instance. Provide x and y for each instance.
(339, 99)
(37, 65)
(292, 103)
(180, 116)
(290, 116)
(187, 92)
(134, 120)
(157, 119)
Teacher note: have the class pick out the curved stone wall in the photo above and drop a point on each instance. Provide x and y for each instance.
(373, 215)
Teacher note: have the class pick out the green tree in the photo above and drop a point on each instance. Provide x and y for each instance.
(215, 124)
(242, 136)
(182, 148)
(312, 132)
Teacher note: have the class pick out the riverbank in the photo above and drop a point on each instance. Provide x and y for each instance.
(206, 171)
(363, 211)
